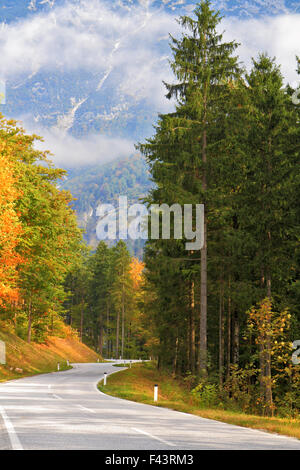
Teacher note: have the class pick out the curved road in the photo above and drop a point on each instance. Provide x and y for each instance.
(64, 410)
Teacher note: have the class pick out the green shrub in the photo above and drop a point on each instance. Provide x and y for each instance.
(206, 394)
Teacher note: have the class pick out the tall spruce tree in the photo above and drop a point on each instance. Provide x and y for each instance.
(267, 209)
(188, 142)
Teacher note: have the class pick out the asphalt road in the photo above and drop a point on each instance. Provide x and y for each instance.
(64, 410)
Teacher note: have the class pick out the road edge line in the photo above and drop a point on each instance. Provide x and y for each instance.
(14, 440)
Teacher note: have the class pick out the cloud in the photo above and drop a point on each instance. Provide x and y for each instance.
(90, 36)
(69, 151)
(85, 34)
(126, 49)
(278, 36)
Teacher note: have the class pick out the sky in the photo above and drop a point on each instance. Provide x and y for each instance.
(89, 36)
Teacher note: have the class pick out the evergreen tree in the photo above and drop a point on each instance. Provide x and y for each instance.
(188, 142)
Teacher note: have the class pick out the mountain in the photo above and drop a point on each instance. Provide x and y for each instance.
(103, 184)
(87, 75)
(84, 90)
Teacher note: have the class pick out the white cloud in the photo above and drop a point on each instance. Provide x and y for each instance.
(278, 36)
(80, 35)
(88, 35)
(68, 151)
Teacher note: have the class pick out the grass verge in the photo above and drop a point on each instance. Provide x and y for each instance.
(137, 384)
(23, 359)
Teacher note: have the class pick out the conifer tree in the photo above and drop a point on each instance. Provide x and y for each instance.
(188, 142)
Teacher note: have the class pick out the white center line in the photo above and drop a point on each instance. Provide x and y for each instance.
(86, 409)
(14, 440)
(154, 437)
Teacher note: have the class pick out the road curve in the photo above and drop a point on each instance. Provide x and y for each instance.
(65, 411)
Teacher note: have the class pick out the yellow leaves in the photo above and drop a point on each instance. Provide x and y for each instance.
(136, 271)
(10, 230)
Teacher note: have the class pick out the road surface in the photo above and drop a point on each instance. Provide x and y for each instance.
(64, 410)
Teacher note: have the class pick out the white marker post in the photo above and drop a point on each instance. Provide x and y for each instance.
(68, 363)
(105, 378)
(155, 392)
(2, 352)
(58, 366)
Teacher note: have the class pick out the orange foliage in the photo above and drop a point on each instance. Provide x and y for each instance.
(10, 230)
(136, 271)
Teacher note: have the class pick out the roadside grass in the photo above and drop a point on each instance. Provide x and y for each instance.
(136, 384)
(32, 359)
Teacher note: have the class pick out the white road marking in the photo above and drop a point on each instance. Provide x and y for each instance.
(86, 409)
(57, 397)
(154, 437)
(14, 440)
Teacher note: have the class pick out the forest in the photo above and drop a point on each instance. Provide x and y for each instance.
(227, 319)
(223, 319)
(39, 237)
(96, 184)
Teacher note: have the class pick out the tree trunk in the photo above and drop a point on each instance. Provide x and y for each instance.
(81, 323)
(188, 342)
(175, 357)
(221, 335)
(202, 360)
(101, 337)
(123, 325)
(107, 331)
(192, 330)
(229, 333)
(268, 372)
(117, 335)
(269, 291)
(236, 339)
(268, 379)
(29, 323)
(203, 311)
